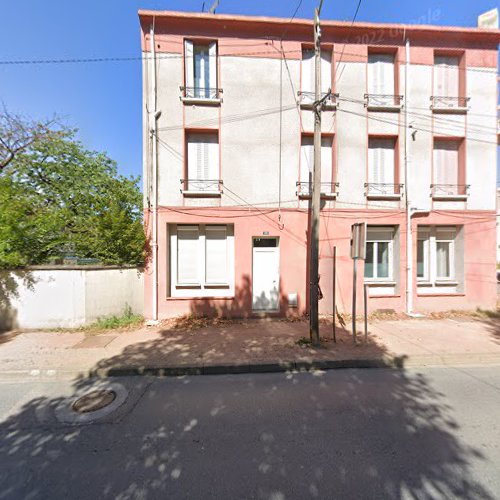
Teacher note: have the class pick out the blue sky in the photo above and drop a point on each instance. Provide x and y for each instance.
(103, 100)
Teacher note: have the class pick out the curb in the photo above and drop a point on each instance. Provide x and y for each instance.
(392, 362)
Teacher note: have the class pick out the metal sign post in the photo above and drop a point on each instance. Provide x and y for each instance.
(358, 239)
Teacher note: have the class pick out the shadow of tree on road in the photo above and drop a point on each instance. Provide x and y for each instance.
(345, 434)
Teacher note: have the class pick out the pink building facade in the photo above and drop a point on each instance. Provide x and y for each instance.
(409, 146)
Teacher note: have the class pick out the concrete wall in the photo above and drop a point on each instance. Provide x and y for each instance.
(67, 298)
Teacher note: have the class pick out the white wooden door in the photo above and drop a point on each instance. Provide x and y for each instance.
(265, 274)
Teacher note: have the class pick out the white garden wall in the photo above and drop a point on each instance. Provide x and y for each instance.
(67, 297)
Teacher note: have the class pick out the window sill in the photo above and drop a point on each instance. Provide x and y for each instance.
(450, 197)
(394, 108)
(429, 295)
(326, 106)
(201, 101)
(437, 283)
(197, 297)
(325, 196)
(454, 111)
(383, 196)
(380, 283)
(201, 194)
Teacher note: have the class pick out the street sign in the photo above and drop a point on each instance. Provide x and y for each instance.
(358, 240)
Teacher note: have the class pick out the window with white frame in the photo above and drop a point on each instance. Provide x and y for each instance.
(446, 79)
(201, 70)
(436, 254)
(381, 166)
(307, 164)
(381, 83)
(379, 254)
(201, 260)
(202, 162)
(308, 74)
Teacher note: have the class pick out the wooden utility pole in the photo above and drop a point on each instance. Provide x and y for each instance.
(316, 186)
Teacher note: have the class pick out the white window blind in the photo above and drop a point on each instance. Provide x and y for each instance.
(381, 74)
(216, 255)
(446, 162)
(446, 81)
(307, 159)
(381, 161)
(189, 63)
(203, 161)
(188, 258)
(308, 71)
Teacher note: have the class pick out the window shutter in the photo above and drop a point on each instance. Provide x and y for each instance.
(203, 159)
(446, 76)
(216, 254)
(308, 71)
(212, 67)
(326, 70)
(189, 63)
(446, 162)
(381, 77)
(381, 161)
(326, 159)
(307, 159)
(188, 255)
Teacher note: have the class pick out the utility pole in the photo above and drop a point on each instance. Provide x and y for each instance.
(316, 186)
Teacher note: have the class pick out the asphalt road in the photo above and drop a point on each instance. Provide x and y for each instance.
(430, 433)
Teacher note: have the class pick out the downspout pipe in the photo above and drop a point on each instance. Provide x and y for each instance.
(409, 235)
(153, 117)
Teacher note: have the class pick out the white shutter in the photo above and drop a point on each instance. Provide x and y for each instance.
(307, 159)
(446, 162)
(446, 79)
(188, 255)
(381, 78)
(189, 63)
(326, 70)
(326, 161)
(308, 73)
(203, 160)
(381, 161)
(212, 66)
(216, 258)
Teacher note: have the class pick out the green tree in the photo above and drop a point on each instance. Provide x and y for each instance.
(58, 197)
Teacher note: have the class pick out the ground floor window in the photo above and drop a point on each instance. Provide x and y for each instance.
(439, 256)
(379, 253)
(201, 260)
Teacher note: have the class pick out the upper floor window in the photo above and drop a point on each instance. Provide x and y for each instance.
(308, 75)
(448, 176)
(381, 81)
(201, 70)
(382, 168)
(202, 163)
(307, 164)
(449, 91)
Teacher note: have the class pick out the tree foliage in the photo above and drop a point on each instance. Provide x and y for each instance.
(57, 197)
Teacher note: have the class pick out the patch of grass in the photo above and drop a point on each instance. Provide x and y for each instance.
(303, 342)
(126, 320)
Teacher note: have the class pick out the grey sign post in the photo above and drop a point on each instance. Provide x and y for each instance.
(358, 240)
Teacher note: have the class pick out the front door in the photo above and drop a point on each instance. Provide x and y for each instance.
(266, 274)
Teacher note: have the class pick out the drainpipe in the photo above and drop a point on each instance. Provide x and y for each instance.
(409, 235)
(153, 117)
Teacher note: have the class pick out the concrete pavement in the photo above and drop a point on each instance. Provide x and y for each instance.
(250, 346)
(388, 434)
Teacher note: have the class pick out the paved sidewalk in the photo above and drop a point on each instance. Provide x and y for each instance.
(253, 345)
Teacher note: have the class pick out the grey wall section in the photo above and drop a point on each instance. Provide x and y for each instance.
(67, 298)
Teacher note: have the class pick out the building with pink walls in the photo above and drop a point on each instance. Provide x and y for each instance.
(409, 146)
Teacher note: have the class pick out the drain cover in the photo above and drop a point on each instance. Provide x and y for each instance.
(93, 401)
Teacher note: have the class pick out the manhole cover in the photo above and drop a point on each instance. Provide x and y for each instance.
(94, 401)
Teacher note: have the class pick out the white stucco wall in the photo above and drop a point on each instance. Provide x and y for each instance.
(60, 298)
(248, 124)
